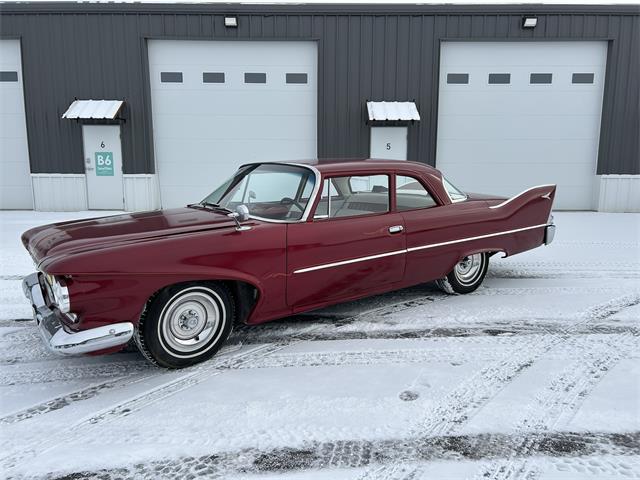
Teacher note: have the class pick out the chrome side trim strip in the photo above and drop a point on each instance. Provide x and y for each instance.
(346, 262)
(413, 249)
(522, 193)
(468, 239)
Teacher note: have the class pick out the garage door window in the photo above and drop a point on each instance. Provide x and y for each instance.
(499, 78)
(171, 77)
(582, 78)
(540, 78)
(255, 78)
(213, 77)
(411, 194)
(458, 78)
(8, 76)
(296, 78)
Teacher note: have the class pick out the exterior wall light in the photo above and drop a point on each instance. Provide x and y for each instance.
(231, 22)
(529, 22)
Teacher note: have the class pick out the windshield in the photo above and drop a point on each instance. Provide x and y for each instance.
(270, 191)
(455, 194)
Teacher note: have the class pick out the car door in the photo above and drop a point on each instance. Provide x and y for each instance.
(354, 246)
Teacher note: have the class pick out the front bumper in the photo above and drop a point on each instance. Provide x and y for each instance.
(58, 340)
(549, 233)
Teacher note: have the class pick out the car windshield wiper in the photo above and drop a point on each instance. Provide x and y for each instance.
(211, 205)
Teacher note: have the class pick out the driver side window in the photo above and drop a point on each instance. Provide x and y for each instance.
(353, 196)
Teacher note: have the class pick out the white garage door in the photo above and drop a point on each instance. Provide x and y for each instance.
(15, 179)
(217, 105)
(513, 115)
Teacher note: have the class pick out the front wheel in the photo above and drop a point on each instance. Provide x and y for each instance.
(185, 324)
(467, 275)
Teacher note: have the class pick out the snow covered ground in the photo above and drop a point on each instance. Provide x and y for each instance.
(536, 375)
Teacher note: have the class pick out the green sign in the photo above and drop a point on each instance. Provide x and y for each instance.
(104, 164)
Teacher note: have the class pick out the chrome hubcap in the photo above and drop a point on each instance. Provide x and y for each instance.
(469, 269)
(191, 320)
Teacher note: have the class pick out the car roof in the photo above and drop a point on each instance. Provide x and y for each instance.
(342, 165)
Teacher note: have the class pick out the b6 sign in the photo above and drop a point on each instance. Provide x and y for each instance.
(104, 164)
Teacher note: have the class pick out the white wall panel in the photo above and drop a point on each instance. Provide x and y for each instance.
(619, 193)
(59, 192)
(141, 192)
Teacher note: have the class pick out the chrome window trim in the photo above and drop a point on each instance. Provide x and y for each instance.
(466, 197)
(312, 196)
(521, 193)
(413, 249)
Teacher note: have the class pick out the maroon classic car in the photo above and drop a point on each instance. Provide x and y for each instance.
(273, 240)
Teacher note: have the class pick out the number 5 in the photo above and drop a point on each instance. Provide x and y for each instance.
(388, 146)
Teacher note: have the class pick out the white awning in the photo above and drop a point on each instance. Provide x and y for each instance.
(381, 111)
(105, 109)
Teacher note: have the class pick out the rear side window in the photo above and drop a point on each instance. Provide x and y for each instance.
(353, 196)
(411, 194)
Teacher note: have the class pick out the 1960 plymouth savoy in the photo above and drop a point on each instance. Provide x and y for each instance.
(273, 240)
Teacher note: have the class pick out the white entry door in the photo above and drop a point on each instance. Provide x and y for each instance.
(389, 143)
(103, 165)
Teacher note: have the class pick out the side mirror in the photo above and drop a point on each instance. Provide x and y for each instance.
(243, 212)
(252, 195)
(240, 215)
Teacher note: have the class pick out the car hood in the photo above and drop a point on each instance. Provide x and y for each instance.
(97, 233)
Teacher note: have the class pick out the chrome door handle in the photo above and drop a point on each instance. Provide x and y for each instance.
(396, 229)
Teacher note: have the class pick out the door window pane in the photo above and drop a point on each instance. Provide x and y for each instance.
(411, 194)
(171, 77)
(354, 196)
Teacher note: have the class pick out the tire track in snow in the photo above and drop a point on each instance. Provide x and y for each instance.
(457, 407)
(192, 376)
(556, 405)
(566, 447)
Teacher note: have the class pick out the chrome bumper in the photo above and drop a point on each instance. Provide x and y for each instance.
(549, 233)
(58, 340)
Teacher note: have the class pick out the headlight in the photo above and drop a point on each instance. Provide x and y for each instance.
(60, 293)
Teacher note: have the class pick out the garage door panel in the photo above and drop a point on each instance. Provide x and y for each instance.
(235, 127)
(516, 151)
(474, 102)
(228, 151)
(11, 101)
(505, 137)
(512, 53)
(255, 103)
(498, 127)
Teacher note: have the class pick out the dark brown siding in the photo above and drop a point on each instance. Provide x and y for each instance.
(378, 52)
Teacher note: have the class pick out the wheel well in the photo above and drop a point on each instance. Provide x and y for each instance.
(245, 296)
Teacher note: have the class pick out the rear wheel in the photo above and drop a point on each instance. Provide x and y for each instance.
(185, 324)
(467, 275)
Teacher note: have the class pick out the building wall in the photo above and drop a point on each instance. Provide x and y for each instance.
(377, 52)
